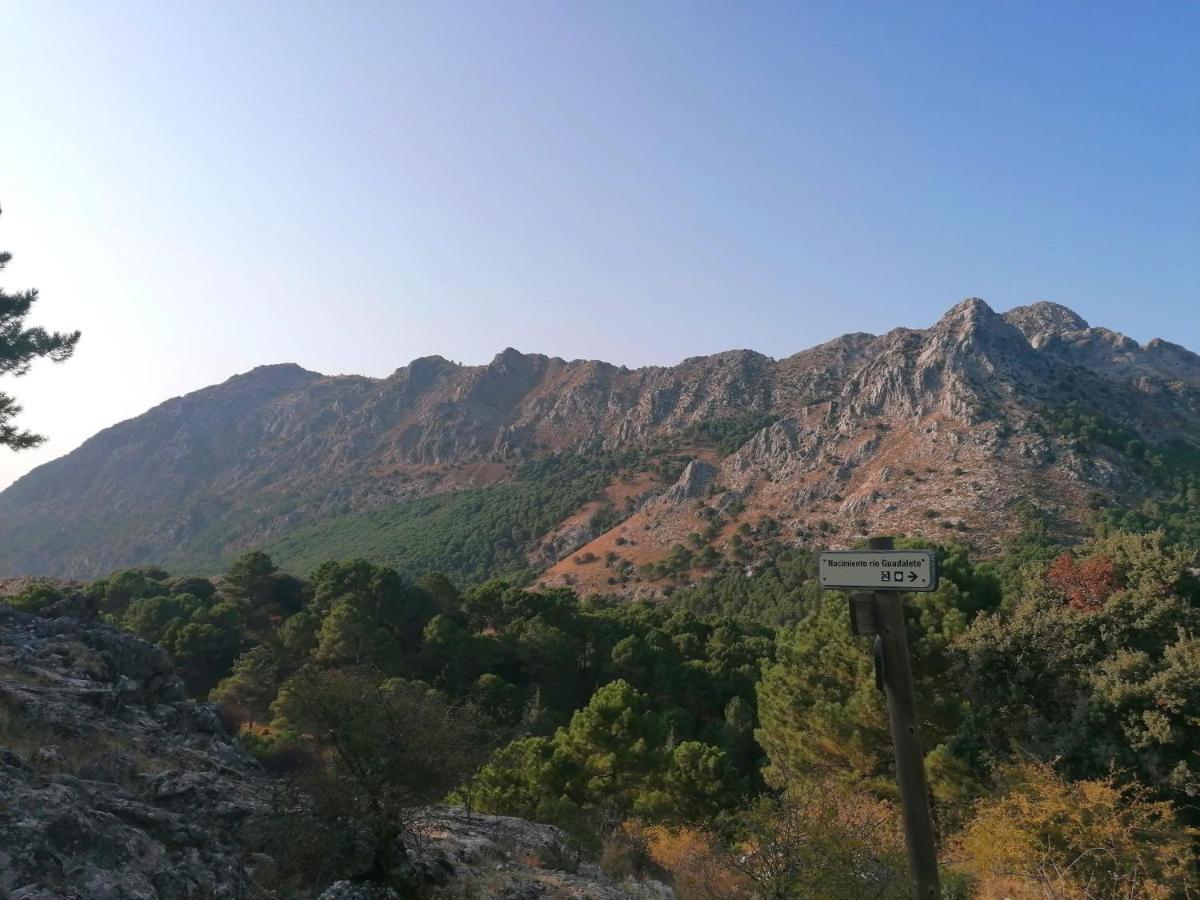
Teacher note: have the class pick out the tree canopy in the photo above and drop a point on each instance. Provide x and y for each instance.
(1057, 689)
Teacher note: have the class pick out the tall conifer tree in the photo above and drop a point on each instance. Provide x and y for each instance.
(19, 347)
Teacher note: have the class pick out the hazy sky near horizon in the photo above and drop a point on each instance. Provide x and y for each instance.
(206, 187)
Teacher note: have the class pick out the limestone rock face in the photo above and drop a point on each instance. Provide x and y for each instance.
(693, 483)
(1061, 333)
(504, 857)
(346, 890)
(1041, 321)
(112, 785)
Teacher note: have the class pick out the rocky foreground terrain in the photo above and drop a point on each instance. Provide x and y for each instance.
(114, 787)
(940, 429)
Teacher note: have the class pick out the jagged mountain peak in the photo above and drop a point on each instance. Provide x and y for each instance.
(969, 308)
(974, 333)
(511, 355)
(969, 357)
(425, 364)
(1044, 317)
(734, 357)
(274, 375)
(432, 361)
(970, 317)
(1056, 331)
(1172, 362)
(283, 368)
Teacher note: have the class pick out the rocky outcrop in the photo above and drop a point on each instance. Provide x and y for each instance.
(692, 484)
(1041, 321)
(967, 361)
(111, 784)
(504, 857)
(1107, 354)
(348, 890)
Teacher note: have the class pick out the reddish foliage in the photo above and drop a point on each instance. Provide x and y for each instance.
(1086, 584)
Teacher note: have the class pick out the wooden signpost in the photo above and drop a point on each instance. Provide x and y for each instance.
(882, 571)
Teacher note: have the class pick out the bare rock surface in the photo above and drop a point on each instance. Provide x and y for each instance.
(111, 784)
(347, 890)
(693, 483)
(504, 857)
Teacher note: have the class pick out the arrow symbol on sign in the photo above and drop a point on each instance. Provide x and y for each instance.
(912, 576)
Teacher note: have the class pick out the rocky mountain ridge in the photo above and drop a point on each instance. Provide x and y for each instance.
(970, 400)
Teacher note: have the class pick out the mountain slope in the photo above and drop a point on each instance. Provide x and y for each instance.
(912, 430)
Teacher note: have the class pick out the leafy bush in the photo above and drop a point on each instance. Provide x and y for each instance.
(1099, 674)
(1039, 835)
(823, 839)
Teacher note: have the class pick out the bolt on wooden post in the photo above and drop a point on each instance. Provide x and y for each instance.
(882, 571)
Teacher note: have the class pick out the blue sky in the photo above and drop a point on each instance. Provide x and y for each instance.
(203, 188)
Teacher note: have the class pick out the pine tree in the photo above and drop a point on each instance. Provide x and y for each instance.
(19, 346)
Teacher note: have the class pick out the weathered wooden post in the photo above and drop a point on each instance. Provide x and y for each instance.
(885, 571)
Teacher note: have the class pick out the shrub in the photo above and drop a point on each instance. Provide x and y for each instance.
(823, 839)
(1043, 836)
(625, 854)
(698, 866)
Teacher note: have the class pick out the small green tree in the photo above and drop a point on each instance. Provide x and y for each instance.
(382, 748)
(379, 594)
(252, 684)
(205, 644)
(607, 760)
(698, 785)
(36, 597)
(149, 617)
(19, 347)
(522, 779)
(121, 588)
(266, 594)
(251, 577)
(613, 745)
(351, 636)
(818, 706)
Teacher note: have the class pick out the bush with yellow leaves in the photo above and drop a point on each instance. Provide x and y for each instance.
(823, 839)
(699, 865)
(1043, 837)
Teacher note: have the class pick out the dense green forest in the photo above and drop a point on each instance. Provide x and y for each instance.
(728, 737)
(471, 534)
